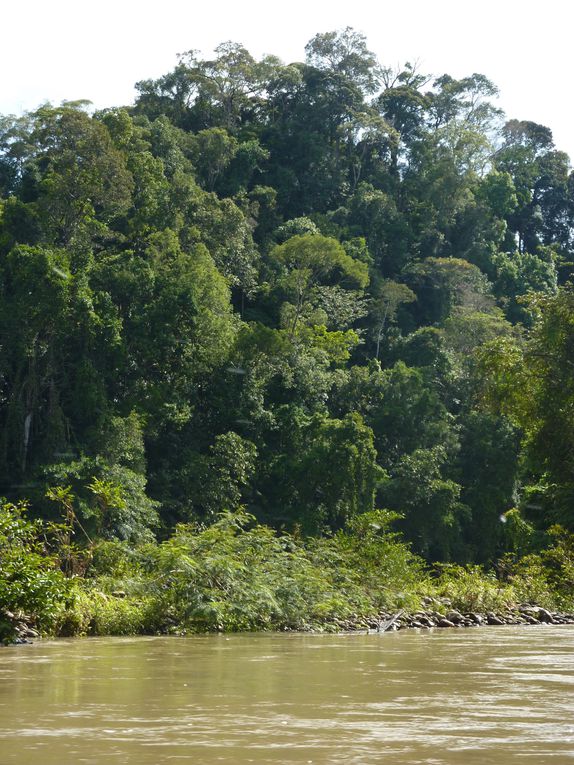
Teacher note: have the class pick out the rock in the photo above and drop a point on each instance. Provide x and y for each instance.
(442, 622)
(527, 610)
(493, 619)
(475, 618)
(455, 617)
(545, 616)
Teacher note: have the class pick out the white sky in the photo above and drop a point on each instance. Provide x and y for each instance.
(53, 50)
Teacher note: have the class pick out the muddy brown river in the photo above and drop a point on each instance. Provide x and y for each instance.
(495, 695)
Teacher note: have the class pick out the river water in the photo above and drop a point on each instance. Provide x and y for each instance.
(494, 695)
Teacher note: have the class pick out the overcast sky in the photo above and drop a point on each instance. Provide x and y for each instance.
(54, 50)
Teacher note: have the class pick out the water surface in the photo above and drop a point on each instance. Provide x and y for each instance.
(451, 697)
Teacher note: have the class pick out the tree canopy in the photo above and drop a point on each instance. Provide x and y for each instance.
(309, 289)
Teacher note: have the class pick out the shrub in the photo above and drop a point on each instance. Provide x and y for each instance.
(470, 588)
(30, 581)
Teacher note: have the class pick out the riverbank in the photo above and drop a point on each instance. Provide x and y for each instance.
(440, 616)
(526, 614)
(239, 576)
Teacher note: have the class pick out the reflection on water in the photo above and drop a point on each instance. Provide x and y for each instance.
(498, 695)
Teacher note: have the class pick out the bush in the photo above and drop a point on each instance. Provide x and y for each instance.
(235, 575)
(31, 583)
(470, 588)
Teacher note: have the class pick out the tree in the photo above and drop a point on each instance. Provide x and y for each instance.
(309, 261)
(222, 92)
(212, 151)
(441, 284)
(225, 231)
(224, 475)
(388, 298)
(71, 173)
(430, 502)
(403, 106)
(346, 53)
(550, 423)
(373, 213)
(530, 384)
(487, 470)
(410, 416)
(323, 474)
(35, 297)
(541, 175)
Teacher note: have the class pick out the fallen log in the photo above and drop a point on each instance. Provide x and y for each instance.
(384, 626)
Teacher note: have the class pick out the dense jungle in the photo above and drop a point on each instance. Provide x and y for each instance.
(283, 346)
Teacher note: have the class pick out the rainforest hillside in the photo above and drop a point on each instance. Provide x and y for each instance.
(309, 290)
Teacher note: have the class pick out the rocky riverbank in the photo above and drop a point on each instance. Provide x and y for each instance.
(16, 627)
(440, 614)
(19, 628)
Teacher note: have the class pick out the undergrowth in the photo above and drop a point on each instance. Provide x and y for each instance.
(236, 575)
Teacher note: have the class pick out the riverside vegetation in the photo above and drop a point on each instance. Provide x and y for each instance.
(242, 314)
(236, 575)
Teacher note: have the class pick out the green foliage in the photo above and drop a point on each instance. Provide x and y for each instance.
(306, 289)
(518, 274)
(211, 152)
(498, 191)
(441, 284)
(520, 535)
(470, 588)
(533, 385)
(558, 566)
(530, 582)
(295, 227)
(30, 581)
(103, 499)
(234, 575)
(319, 257)
(93, 612)
(388, 570)
(388, 298)
(223, 475)
(322, 473)
(433, 513)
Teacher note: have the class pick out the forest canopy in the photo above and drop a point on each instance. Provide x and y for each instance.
(309, 290)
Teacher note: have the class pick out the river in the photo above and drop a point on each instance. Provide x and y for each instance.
(448, 697)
